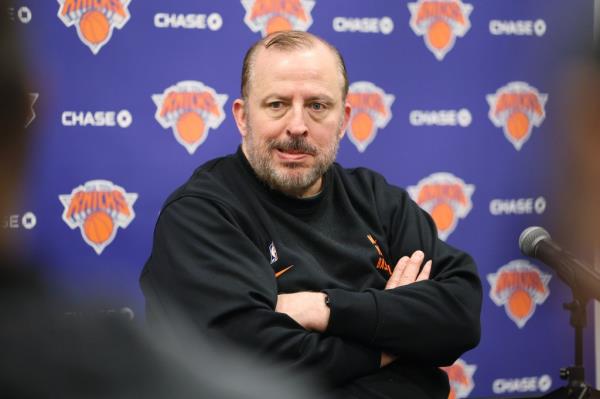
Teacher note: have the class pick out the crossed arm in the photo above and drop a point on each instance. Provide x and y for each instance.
(310, 310)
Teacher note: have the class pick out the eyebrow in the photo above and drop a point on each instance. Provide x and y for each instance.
(322, 97)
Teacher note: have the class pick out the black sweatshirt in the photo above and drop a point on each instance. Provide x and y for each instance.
(223, 237)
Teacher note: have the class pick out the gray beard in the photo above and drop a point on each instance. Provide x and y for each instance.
(294, 183)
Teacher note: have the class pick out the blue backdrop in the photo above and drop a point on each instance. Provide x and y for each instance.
(454, 100)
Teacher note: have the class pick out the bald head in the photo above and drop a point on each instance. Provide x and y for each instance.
(289, 41)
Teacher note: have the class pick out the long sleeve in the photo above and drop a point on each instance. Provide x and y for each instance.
(430, 322)
(205, 263)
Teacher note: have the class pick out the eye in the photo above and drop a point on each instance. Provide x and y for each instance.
(276, 104)
(317, 106)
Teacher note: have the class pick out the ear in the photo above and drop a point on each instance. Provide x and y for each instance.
(239, 113)
(346, 119)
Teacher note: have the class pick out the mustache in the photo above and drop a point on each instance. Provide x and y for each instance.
(296, 144)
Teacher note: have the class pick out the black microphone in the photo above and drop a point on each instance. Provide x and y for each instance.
(583, 279)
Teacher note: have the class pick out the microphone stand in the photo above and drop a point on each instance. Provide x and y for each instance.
(576, 387)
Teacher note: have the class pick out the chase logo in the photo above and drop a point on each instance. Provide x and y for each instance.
(519, 287)
(371, 110)
(121, 118)
(94, 20)
(440, 22)
(190, 108)
(268, 16)
(516, 108)
(23, 14)
(98, 208)
(212, 21)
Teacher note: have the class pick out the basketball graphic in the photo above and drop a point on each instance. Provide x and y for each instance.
(460, 377)
(445, 197)
(517, 107)
(443, 216)
(190, 127)
(371, 110)
(190, 108)
(98, 208)
(519, 286)
(98, 227)
(439, 35)
(94, 27)
(278, 24)
(440, 22)
(269, 16)
(520, 303)
(361, 126)
(94, 20)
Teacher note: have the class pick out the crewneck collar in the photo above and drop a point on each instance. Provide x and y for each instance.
(292, 204)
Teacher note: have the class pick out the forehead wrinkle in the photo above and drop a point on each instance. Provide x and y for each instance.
(313, 73)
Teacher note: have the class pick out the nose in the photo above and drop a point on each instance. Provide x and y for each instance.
(297, 124)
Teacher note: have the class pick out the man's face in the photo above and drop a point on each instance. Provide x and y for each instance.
(293, 118)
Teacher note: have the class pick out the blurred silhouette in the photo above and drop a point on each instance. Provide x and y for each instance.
(46, 354)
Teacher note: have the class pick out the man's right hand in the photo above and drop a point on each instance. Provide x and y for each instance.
(406, 272)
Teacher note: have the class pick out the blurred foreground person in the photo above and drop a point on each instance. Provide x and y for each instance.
(46, 355)
(579, 157)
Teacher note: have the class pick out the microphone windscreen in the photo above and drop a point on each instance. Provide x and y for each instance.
(529, 239)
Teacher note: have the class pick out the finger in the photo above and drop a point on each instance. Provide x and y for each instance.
(424, 275)
(394, 279)
(412, 268)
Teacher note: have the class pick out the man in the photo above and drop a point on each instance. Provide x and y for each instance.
(283, 251)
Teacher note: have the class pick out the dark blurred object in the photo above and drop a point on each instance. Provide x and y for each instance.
(578, 159)
(47, 354)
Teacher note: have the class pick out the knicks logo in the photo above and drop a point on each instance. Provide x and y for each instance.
(371, 110)
(516, 108)
(446, 198)
(190, 108)
(440, 22)
(98, 207)
(94, 19)
(268, 16)
(519, 287)
(460, 376)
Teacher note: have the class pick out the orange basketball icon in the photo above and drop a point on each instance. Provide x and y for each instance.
(95, 20)
(278, 24)
(519, 287)
(269, 16)
(460, 377)
(98, 208)
(439, 34)
(520, 303)
(443, 216)
(190, 127)
(371, 110)
(517, 108)
(94, 26)
(518, 125)
(98, 227)
(447, 198)
(190, 108)
(440, 22)
(362, 126)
